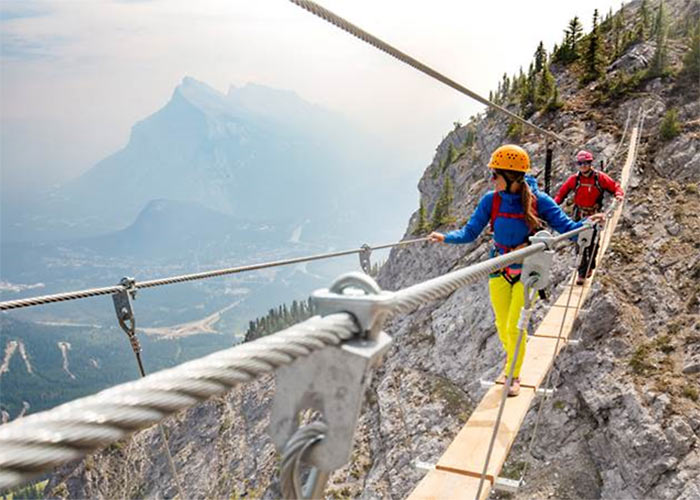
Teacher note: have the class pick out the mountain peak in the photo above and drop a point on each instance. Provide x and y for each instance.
(202, 96)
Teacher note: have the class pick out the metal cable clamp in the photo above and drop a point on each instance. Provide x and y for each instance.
(585, 237)
(333, 381)
(537, 267)
(365, 262)
(125, 312)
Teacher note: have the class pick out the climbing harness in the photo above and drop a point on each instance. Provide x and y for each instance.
(579, 211)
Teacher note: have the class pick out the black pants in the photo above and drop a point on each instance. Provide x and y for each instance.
(588, 260)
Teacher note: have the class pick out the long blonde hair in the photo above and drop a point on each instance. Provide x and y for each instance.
(527, 198)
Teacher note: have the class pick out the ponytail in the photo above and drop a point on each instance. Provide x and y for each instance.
(528, 201)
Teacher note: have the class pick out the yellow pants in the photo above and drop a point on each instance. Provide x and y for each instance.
(507, 301)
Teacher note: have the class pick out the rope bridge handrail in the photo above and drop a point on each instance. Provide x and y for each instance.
(39, 442)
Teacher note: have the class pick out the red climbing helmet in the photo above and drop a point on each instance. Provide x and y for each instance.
(583, 155)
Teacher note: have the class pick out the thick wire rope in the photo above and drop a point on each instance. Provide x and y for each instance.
(93, 292)
(44, 440)
(292, 456)
(40, 441)
(354, 30)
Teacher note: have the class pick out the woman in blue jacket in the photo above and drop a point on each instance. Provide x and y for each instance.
(516, 209)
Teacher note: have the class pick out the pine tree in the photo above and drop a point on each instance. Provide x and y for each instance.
(594, 56)
(572, 38)
(617, 33)
(554, 102)
(545, 88)
(451, 154)
(422, 226)
(659, 61)
(643, 23)
(526, 91)
(540, 57)
(441, 212)
(691, 61)
(505, 87)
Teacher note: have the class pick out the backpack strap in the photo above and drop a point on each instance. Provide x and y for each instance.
(495, 207)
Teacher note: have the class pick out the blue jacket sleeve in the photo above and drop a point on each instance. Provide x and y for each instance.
(477, 221)
(552, 214)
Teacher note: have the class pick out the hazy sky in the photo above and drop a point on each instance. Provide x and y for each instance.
(76, 75)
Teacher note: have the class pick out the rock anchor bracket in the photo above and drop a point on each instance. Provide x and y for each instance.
(333, 380)
(537, 268)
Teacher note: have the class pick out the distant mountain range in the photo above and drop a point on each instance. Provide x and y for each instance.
(256, 153)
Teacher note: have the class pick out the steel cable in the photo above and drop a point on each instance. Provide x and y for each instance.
(341, 23)
(68, 431)
(292, 456)
(41, 441)
(93, 292)
(414, 296)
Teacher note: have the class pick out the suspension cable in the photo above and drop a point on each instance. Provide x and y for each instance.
(93, 292)
(354, 30)
(44, 440)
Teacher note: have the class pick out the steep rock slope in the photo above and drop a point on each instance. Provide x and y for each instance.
(625, 420)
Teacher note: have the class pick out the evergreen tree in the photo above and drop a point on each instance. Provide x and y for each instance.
(573, 36)
(659, 61)
(471, 136)
(526, 92)
(670, 127)
(554, 102)
(618, 27)
(441, 212)
(540, 57)
(451, 154)
(568, 51)
(422, 226)
(505, 87)
(643, 23)
(545, 88)
(594, 55)
(691, 61)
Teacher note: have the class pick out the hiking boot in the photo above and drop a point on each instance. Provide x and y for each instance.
(514, 388)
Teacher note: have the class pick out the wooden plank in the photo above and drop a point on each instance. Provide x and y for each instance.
(538, 360)
(551, 323)
(467, 453)
(575, 294)
(443, 485)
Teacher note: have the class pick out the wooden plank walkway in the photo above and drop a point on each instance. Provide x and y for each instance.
(457, 473)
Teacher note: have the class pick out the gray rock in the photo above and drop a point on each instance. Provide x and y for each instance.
(691, 368)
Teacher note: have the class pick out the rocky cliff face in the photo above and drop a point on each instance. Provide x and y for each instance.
(624, 421)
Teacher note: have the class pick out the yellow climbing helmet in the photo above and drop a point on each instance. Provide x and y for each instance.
(510, 157)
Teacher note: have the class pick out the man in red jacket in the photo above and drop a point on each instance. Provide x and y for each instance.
(589, 187)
